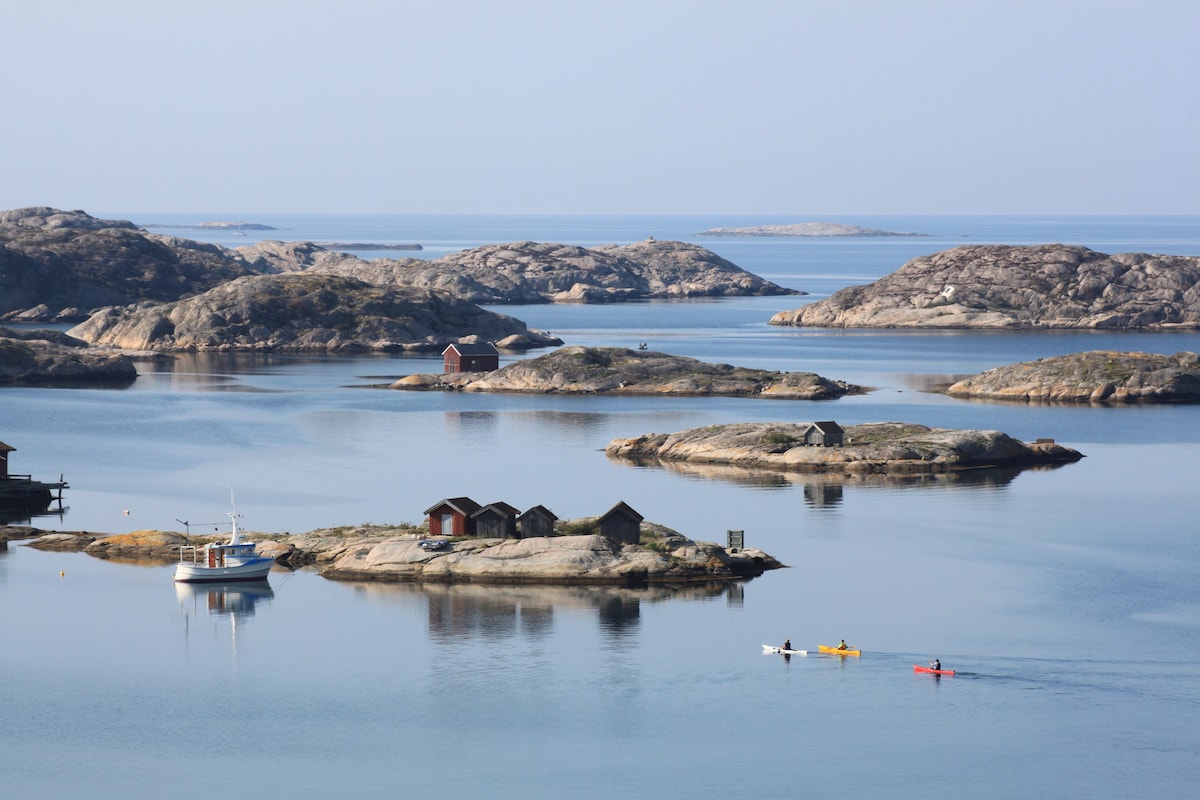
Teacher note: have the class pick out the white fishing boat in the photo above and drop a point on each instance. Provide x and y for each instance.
(222, 563)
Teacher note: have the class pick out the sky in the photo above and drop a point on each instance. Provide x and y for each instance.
(805, 108)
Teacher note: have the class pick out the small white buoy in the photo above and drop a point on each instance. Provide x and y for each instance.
(126, 512)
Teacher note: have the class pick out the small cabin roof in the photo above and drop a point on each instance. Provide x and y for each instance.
(473, 349)
(463, 505)
(6, 448)
(499, 508)
(828, 426)
(540, 510)
(625, 510)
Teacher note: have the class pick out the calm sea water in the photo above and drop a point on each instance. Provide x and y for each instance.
(1065, 598)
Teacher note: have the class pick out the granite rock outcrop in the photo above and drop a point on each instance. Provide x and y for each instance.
(51, 357)
(617, 370)
(533, 272)
(304, 312)
(1098, 376)
(872, 447)
(998, 286)
(63, 265)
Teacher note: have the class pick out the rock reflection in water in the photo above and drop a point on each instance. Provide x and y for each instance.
(825, 489)
(457, 611)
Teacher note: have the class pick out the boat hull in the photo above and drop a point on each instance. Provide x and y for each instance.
(767, 649)
(833, 651)
(253, 570)
(931, 670)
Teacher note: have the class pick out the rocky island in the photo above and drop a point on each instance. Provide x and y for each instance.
(1048, 286)
(885, 447)
(1094, 377)
(304, 312)
(43, 357)
(616, 370)
(380, 553)
(803, 229)
(61, 266)
(537, 272)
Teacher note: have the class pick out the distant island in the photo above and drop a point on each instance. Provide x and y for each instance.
(218, 226)
(804, 229)
(368, 246)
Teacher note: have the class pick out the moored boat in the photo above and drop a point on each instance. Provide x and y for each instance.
(931, 670)
(838, 651)
(234, 560)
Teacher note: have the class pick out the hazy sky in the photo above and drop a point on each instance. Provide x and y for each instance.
(605, 106)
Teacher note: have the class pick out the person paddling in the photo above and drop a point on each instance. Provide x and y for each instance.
(936, 664)
(843, 645)
(787, 644)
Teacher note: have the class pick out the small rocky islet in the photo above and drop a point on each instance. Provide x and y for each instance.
(619, 370)
(879, 447)
(1098, 376)
(394, 554)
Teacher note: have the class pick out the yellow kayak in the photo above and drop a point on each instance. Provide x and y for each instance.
(837, 651)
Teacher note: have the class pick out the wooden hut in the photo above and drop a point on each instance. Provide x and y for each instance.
(824, 434)
(536, 521)
(621, 524)
(496, 521)
(477, 357)
(5, 449)
(452, 517)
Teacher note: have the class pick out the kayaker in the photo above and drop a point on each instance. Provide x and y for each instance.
(843, 645)
(936, 664)
(787, 644)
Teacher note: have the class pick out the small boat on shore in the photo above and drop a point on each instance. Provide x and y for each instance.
(232, 561)
(931, 670)
(838, 651)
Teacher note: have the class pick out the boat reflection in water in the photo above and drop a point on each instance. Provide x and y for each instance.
(237, 601)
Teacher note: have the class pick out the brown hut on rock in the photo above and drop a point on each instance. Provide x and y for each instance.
(824, 434)
(476, 357)
(453, 516)
(496, 521)
(536, 521)
(621, 524)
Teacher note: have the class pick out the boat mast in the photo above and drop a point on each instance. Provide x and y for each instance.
(236, 536)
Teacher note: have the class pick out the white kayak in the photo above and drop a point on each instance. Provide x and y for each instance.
(780, 651)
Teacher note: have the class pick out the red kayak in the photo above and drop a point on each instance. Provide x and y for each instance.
(931, 670)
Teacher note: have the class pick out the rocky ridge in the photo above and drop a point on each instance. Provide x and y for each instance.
(597, 370)
(533, 272)
(1000, 286)
(305, 312)
(63, 265)
(874, 447)
(1093, 377)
